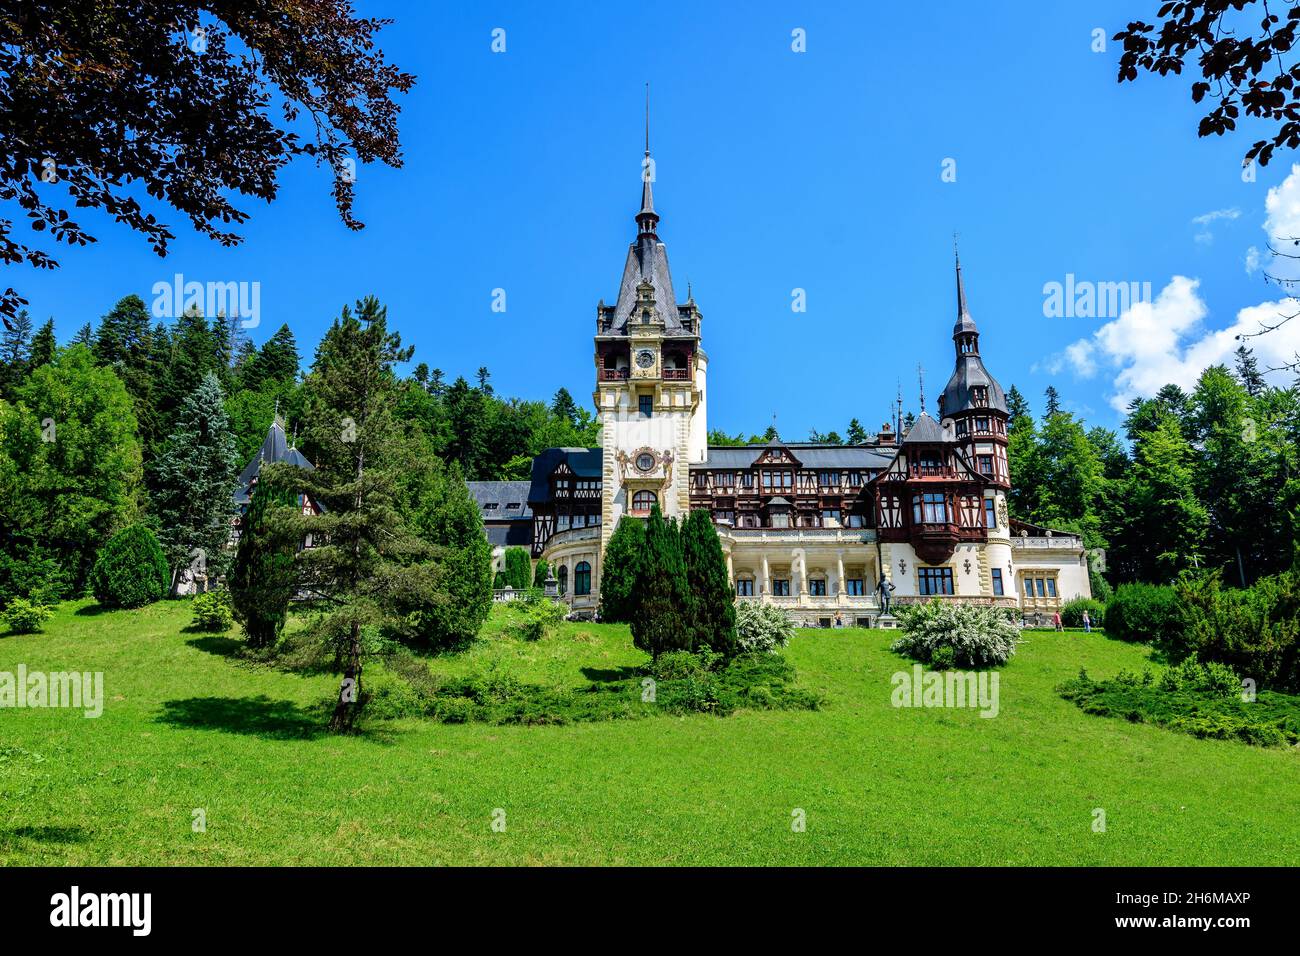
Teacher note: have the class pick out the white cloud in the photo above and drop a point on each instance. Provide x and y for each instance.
(1252, 260)
(1204, 220)
(1283, 207)
(1156, 343)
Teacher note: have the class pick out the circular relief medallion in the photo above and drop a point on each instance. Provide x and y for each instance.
(645, 461)
(645, 358)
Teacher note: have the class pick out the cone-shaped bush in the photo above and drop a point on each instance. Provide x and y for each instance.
(712, 607)
(130, 570)
(659, 622)
(621, 573)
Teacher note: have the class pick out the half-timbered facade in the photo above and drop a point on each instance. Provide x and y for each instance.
(827, 531)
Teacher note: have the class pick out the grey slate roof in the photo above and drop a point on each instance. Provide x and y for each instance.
(501, 494)
(970, 371)
(810, 455)
(585, 463)
(647, 260)
(510, 534)
(926, 429)
(275, 448)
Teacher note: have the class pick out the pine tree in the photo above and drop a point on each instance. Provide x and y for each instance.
(85, 337)
(369, 570)
(193, 481)
(659, 622)
(908, 421)
(857, 435)
(540, 573)
(1053, 403)
(483, 376)
(1017, 407)
(44, 345)
(262, 577)
(564, 407)
(712, 606)
(622, 574)
(15, 353)
(1248, 372)
(278, 360)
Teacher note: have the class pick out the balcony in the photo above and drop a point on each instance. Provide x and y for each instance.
(1063, 542)
(613, 375)
(795, 535)
(677, 375)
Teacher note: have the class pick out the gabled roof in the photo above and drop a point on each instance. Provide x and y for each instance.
(970, 371)
(500, 495)
(927, 430)
(583, 462)
(275, 448)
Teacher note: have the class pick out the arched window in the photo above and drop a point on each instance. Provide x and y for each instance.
(642, 502)
(582, 578)
(563, 576)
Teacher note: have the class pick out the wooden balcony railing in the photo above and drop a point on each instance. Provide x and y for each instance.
(613, 374)
(677, 375)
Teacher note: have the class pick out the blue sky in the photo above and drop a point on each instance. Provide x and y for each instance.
(776, 170)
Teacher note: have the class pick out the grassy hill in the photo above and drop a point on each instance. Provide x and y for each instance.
(188, 726)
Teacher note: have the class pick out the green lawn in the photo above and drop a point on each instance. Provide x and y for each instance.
(187, 726)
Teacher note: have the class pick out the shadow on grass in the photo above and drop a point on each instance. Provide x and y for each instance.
(217, 644)
(256, 716)
(601, 675)
(46, 834)
(91, 610)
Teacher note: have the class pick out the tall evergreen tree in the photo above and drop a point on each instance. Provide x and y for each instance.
(44, 345)
(262, 578)
(193, 481)
(1017, 407)
(564, 407)
(278, 359)
(622, 572)
(370, 571)
(660, 622)
(1052, 402)
(856, 435)
(15, 353)
(1248, 373)
(712, 607)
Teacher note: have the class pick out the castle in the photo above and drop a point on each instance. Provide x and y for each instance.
(826, 531)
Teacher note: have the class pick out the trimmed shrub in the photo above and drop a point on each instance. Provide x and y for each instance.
(518, 568)
(540, 571)
(212, 611)
(1145, 613)
(978, 636)
(26, 617)
(499, 581)
(762, 627)
(1072, 612)
(1255, 631)
(130, 570)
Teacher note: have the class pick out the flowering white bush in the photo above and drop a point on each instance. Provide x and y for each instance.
(762, 627)
(979, 636)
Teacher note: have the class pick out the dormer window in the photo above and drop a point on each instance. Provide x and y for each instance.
(979, 395)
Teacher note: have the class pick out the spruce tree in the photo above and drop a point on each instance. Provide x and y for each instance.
(193, 480)
(369, 571)
(857, 435)
(15, 353)
(712, 603)
(44, 345)
(659, 622)
(1248, 372)
(540, 573)
(262, 576)
(621, 571)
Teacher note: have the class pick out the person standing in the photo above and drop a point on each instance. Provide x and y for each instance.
(1056, 620)
(1087, 623)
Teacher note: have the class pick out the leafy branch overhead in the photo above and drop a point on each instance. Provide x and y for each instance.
(105, 103)
(1242, 49)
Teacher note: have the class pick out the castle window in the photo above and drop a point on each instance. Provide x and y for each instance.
(642, 502)
(725, 516)
(985, 464)
(930, 508)
(781, 587)
(997, 582)
(979, 395)
(817, 587)
(853, 587)
(934, 580)
(645, 461)
(646, 405)
(563, 577)
(830, 517)
(982, 424)
(582, 578)
(990, 514)
(857, 521)
(745, 587)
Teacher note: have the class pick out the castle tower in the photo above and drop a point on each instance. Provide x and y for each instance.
(650, 381)
(973, 409)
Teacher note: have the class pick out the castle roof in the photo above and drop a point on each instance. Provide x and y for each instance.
(275, 448)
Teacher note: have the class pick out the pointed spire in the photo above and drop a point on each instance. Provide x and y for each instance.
(920, 377)
(647, 218)
(964, 321)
